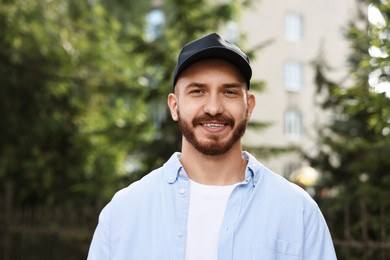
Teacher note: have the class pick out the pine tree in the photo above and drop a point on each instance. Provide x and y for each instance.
(354, 145)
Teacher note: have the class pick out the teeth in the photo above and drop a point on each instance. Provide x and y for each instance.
(213, 125)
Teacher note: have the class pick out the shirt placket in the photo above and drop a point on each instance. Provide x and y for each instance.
(182, 203)
(232, 213)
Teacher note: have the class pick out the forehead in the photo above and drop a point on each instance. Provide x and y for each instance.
(210, 70)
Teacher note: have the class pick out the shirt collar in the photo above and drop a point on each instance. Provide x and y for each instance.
(253, 168)
(174, 169)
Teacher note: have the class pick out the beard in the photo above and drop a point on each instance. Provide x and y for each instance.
(214, 146)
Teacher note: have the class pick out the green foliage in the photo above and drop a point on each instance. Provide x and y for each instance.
(354, 146)
(70, 98)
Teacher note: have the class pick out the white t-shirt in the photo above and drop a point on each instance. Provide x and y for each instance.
(206, 211)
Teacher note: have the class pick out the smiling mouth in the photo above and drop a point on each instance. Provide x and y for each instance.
(213, 125)
(213, 122)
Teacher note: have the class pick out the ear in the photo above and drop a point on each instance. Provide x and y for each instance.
(251, 101)
(173, 104)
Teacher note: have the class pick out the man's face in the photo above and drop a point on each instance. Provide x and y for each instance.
(212, 106)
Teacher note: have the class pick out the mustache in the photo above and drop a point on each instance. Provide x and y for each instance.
(209, 118)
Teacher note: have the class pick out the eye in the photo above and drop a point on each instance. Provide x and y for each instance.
(196, 91)
(230, 92)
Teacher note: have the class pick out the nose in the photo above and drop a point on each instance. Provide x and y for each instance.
(213, 105)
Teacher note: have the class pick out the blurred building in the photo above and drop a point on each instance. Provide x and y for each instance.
(298, 31)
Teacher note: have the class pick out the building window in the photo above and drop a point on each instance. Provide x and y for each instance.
(293, 27)
(154, 24)
(293, 76)
(293, 124)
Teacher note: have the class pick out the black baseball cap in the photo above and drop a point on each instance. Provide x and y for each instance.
(212, 46)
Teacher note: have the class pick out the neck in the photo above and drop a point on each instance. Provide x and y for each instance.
(225, 169)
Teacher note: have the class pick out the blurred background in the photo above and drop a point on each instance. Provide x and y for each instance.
(83, 87)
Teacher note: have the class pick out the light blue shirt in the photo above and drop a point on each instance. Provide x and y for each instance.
(266, 218)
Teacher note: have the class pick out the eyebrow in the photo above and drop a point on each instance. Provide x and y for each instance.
(225, 85)
(195, 84)
(232, 85)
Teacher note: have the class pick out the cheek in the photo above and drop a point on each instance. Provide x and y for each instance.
(240, 112)
(187, 111)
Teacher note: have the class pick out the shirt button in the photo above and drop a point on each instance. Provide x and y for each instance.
(180, 234)
(182, 191)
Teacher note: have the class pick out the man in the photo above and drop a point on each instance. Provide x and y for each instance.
(211, 201)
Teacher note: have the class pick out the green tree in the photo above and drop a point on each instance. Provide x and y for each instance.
(354, 146)
(72, 106)
(70, 98)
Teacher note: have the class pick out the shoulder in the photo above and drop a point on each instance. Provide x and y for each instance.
(288, 213)
(284, 198)
(280, 185)
(149, 184)
(276, 187)
(144, 185)
(136, 200)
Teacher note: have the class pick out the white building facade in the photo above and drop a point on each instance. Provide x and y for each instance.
(299, 30)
